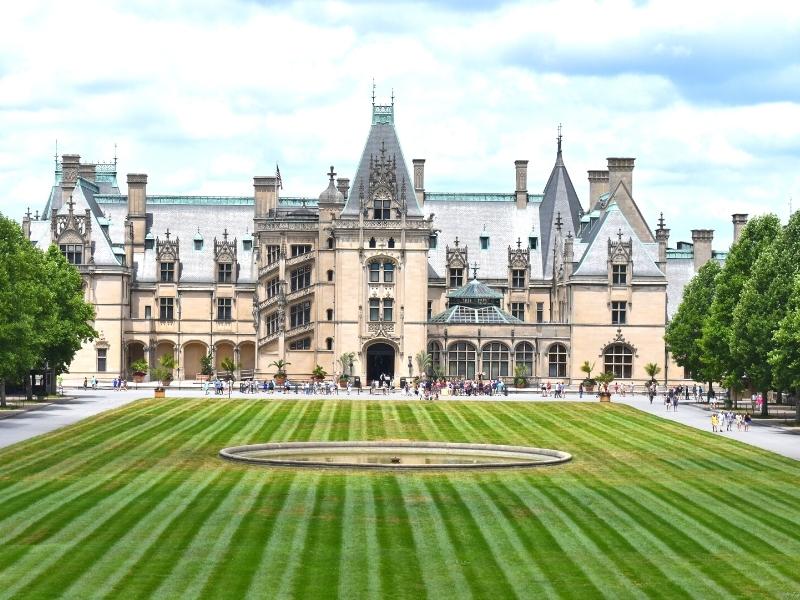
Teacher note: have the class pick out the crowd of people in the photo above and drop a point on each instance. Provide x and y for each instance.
(725, 420)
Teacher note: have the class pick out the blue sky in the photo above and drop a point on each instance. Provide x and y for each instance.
(203, 95)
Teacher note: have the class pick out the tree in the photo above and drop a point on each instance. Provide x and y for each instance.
(685, 331)
(587, 368)
(43, 317)
(163, 372)
(229, 366)
(205, 364)
(652, 369)
(423, 362)
(762, 307)
(785, 356)
(346, 361)
(759, 233)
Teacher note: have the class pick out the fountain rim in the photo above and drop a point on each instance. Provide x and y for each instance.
(233, 453)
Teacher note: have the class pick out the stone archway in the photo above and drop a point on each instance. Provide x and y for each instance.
(380, 361)
(247, 358)
(193, 352)
(135, 352)
(222, 351)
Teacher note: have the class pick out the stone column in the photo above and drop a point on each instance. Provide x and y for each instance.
(521, 187)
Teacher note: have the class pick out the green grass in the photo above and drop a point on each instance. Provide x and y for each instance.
(135, 504)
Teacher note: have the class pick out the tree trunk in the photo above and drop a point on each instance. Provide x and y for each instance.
(797, 405)
(764, 403)
(2, 393)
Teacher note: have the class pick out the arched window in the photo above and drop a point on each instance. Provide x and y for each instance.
(371, 242)
(374, 272)
(461, 360)
(557, 361)
(495, 359)
(329, 343)
(391, 242)
(330, 274)
(329, 314)
(618, 358)
(435, 352)
(523, 356)
(330, 243)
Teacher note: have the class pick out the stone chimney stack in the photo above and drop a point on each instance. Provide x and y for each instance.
(87, 171)
(620, 169)
(266, 195)
(598, 185)
(69, 177)
(419, 180)
(702, 238)
(26, 224)
(521, 190)
(343, 185)
(137, 207)
(569, 255)
(739, 221)
(662, 237)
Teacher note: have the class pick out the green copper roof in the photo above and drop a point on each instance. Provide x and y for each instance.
(475, 290)
(476, 197)
(383, 114)
(467, 314)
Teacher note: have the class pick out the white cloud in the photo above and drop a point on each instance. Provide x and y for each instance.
(203, 95)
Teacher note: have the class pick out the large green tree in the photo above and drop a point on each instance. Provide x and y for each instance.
(43, 317)
(758, 234)
(784, 358)
(762, 306)
(685, 330)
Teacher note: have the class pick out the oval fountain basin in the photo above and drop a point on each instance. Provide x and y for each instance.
(394, 455)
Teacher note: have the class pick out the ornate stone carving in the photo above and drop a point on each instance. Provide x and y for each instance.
(457, 256)
(519, 258)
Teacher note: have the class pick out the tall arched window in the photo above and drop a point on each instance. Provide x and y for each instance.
(495, 360)
(329, 343)
(557, 361)
(330, 274)
(523, 356)
(371, 242)
(330, 243)
(618, 358)
(461, 360)
(435, 351)
(391, 243)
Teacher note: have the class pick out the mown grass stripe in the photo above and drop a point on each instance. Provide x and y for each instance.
(324, 422)
(340, 425)
(376, 430)
(36, 564)
(359, 550)
(281, 551)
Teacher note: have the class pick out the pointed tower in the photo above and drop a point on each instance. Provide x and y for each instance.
(559, 199)
(382, 170)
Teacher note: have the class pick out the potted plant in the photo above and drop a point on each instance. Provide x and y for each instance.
(163, 372)
(604, 379)
(521, 376)
(229, 367)
(139, 370)
(423, 363)
(280, 370)
(346, 361)
(206, 368)
(652, 369)
(588, 382)
(319, 374)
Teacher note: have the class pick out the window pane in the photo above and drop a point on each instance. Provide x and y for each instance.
(374, 309)
(388, 313)
(374, 272)
(388, 272)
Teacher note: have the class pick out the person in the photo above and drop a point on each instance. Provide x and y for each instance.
(651, 391)
(714, 422)
(747, 421)
(85, 383)
(94, 382)
(580, 390)
(675, 403)
(738, 422)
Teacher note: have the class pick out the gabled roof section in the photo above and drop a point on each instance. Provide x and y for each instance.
(561, 200)
(382, 137)
(612, 225)
(622, 196)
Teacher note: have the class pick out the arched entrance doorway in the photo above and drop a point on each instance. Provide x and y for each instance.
(380, 361)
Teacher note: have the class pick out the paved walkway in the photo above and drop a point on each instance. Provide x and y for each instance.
(775, 438)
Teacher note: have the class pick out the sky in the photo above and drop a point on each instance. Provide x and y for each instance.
(202, 95)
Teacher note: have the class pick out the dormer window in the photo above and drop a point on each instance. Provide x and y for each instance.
(198, 245)
(72, 252)
(149, 243)
(619, 274)
(533, 242)
(433, 241)
(225, 272)
(247, 245)
(518, 278)
(167, 272)
(381, 207)
(484, 241)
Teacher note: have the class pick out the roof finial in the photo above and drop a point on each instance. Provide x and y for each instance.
(475, 270)
(373, 91)
(661, 221)
(225, 234)
(115, 154)
(559, 222)
(519, 243)
(559, 138)
(56, 154)
(28, 213)
(619, 234)
(456, 242)
(392, 96)
(331, 175)
(71, 204)
(167, 233)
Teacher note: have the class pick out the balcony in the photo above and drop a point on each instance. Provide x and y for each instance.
(297, 294)
(268, 338)
(265, 304)
(299, 330)
(269, 269)
(296, 260)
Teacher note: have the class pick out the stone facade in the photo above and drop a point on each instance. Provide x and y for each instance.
(376, 266)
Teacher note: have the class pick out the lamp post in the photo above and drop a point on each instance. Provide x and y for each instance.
(746, 386)
(410, 367)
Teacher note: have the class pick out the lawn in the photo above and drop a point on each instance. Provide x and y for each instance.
(135, 503)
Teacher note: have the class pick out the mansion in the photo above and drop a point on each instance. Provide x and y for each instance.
(376, 265)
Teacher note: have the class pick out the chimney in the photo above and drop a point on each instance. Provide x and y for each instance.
(26, 224)
(343, 185)
(569, 255)
(419, 180)
(598, 185)
(521, 191)
(137, 207)
(69, 176)
(702, 238)
(739, 221)
(87, 171)
(266, 195)
(620, 169)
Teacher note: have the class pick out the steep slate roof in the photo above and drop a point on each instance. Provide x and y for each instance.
(466, 219)
(382, 134)
(594, 261)
(559, 197)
